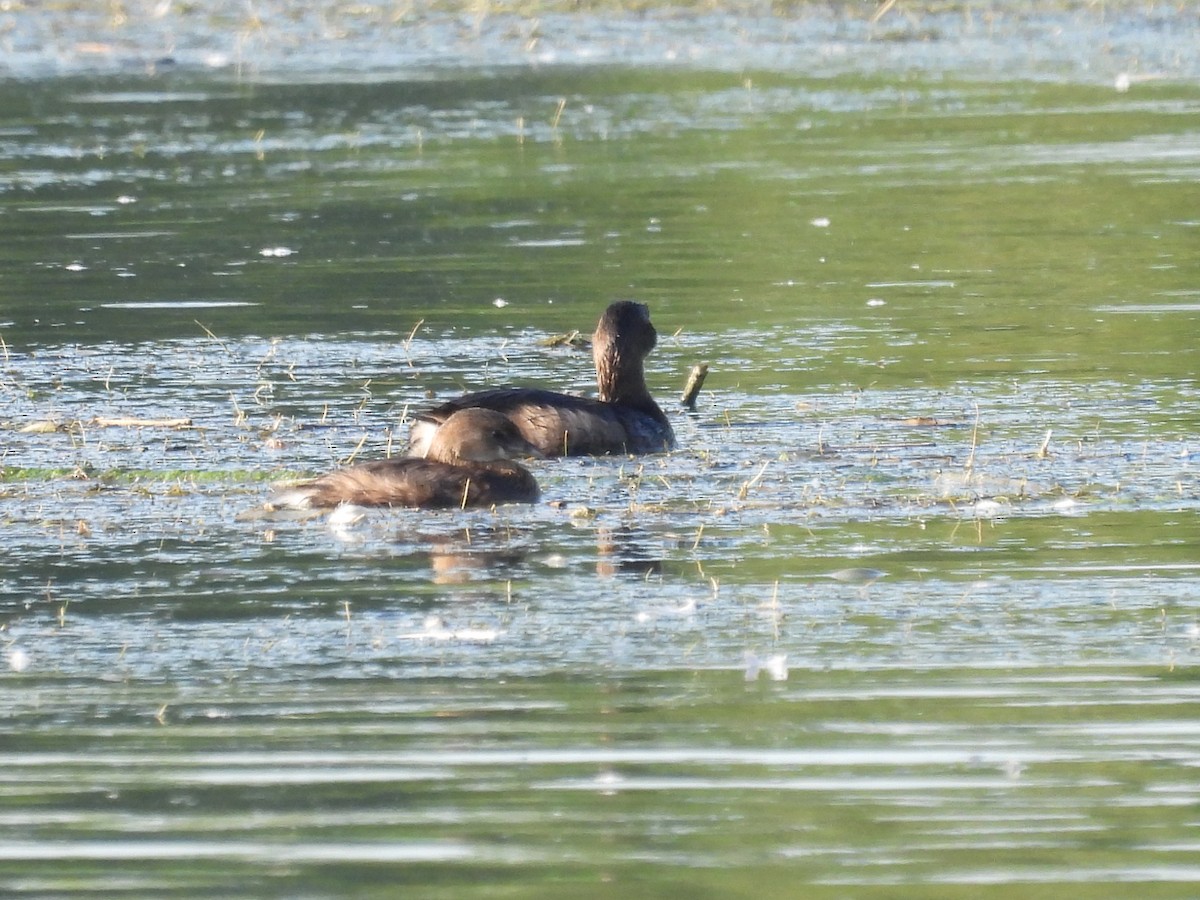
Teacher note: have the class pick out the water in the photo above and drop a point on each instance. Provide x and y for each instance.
(912, 611)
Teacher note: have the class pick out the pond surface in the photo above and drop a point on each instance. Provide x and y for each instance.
(914, 610)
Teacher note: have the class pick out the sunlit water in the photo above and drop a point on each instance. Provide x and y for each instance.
(912, 610)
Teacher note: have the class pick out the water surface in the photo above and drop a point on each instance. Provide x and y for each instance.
(911, 612)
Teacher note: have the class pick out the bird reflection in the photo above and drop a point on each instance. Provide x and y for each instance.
(458, 559)
(621, 553)
(465, 556)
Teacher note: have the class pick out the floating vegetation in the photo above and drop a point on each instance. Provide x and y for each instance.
(574, 340)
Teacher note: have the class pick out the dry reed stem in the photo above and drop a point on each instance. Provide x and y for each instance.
(354, 453)
(749, 485)
(213, 337)
(408, 342)
(970, 463)
(1043, 452)
(882, 11)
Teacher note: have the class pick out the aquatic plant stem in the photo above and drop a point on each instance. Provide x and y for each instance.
(1043, 452)
(213, 337)
(970, 463)
(408, 342)
(882, 11)
(354, 453)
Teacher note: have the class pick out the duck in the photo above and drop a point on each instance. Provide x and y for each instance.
(469, 463)
(622, 419)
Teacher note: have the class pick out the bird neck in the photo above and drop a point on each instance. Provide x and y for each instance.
(621, 379)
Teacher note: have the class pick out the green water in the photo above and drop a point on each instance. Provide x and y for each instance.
(941, 482)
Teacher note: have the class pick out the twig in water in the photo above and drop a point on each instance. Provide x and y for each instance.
(695, 381)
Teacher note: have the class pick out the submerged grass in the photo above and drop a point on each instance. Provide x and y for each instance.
(127, 476)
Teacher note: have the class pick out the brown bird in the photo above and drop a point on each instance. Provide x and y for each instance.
(622, 419)
(468, 463)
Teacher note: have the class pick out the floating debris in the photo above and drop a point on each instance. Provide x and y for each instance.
(857, 575)
(435, 629)
(133, 422)
(775, 666)
(685, 609)
(51, 426)
(346, 514)
(47, 426)
(927, 422)
(987, 509)
(572, 339)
